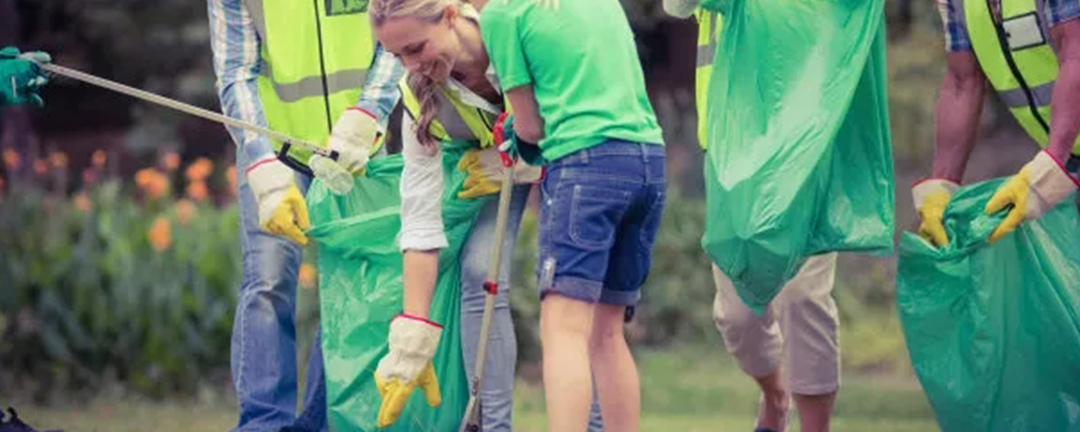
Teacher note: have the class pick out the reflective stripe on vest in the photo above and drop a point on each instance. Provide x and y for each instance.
(312, 85)
(455, 120)
(1017, 58)
(314, 57)
(708, 35)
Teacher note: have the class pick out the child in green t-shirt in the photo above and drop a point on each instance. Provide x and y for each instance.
(573, 79)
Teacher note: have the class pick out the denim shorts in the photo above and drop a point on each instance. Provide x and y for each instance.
(600, 212)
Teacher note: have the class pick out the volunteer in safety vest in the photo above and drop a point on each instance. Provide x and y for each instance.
(794, 347)
(1029, 51)
(438, 41)
(297, 67)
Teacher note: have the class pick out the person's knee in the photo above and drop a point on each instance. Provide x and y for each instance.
(474, 265)
(731, 322)
(607, 332)
(810, 309)
(270, 260)
(562, 316)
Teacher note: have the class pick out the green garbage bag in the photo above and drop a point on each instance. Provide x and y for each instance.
(993, 330)
(799, 159)
(360, 290)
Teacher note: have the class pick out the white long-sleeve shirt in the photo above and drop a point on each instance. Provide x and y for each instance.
(422, 177)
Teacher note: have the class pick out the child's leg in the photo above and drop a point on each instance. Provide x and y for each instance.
(630, 258)
(565, 325)
(614, 369)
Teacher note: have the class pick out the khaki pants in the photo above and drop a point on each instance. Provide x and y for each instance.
(799, 329)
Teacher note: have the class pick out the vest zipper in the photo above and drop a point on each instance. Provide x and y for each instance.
(1007, 52)
(322, 67)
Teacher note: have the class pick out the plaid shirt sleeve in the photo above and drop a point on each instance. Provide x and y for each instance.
(235, 47)
(1059, 11)
(380, 93)
(956, 34)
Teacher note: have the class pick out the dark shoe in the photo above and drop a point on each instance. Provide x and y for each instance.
(15, 424)
(761, 408)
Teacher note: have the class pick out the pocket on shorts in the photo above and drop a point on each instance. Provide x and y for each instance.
(595, 212)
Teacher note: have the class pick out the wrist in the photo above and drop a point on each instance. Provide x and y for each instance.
(268, 175)
(421, 318)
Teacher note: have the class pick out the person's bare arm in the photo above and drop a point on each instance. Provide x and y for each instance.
(1065, 101)
(527, 122)
(421, 271)
(958, 109)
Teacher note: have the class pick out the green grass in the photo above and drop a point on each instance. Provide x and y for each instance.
(684, 390)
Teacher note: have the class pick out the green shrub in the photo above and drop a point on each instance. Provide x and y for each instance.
(104, 285)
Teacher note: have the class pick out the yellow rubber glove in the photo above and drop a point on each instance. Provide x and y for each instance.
(290, 217)
(282, 209)
(1040, 185)
(486, 172)
(931, 197)
(413, 342)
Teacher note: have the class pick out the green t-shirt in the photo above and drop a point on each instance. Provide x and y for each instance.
(583, 65)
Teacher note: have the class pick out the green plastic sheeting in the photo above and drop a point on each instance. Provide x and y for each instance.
(993, 330)
(799, 160)
(360, 290)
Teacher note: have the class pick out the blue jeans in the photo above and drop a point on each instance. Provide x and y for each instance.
(496, 398)
(263, 355)
(600, 215)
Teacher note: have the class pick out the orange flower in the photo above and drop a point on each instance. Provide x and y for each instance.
(82, 203)
(171, 161)
(99, 158)
(40, 167)
(11, 159)
(185, 210)
(200, 169)
(307, 276)
(144, 176)
(230, 174)
(58, 159)
(158, 187)
(197, 190)
(153, 182)
(160, 234)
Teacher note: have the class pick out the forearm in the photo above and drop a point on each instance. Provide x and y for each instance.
(421, 271)
(528, 125)
(958, 109)
(235, 46)
(1065, 101)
